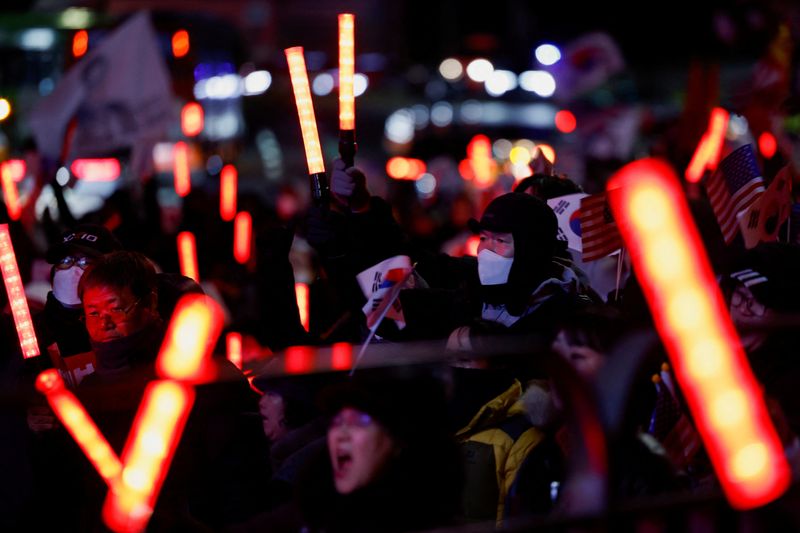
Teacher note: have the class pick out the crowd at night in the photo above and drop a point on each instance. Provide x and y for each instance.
(278, 268)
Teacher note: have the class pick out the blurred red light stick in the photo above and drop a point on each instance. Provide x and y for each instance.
(73, 416)
(347, 65)
(154, 437)
(159, 423)
(193, 330)
(320, 190)
(692, 319)
(16, 296)
(242, 236)
(181, 170)
(227, 192)
(301, 293)
(10, 192)
(342, 356)
(706, 156)
(187, 255)
(233, 345)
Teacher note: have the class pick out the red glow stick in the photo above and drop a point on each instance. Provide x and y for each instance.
(479, 151)
(16, 167)
(16, 296)
(107, 169)
(692, 319)
(301, 293)
(242, 237)
(305, 109)
(233, 344)
(10, 192)
(347, 65)
(74, 417)
(192, 119)
(708, 151)
(342, 356)
(148, 453)
(227, 192)
(181, 170)
(196, 323)
(299, 359)
(187, 255)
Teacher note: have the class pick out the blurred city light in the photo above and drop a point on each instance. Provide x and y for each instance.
(14, 168)
(502, 148)
(547, 54)
(500, 82)
(399, 126)
(519, 155)
(547, 151)
(80, 43)
(442, 114)
(192, 119)
(539, 82)
(767, 145)
(76, 18)
(426, 185)
(565, 121)
(5, 109)
(107, 169)
(479, 70)
(360, 84)
(37, 39)
(451, 69)
(219, 87)
(180, 43)
(257, 82)
(323, 84)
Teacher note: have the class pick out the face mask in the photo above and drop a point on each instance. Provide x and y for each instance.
(65, 285)
(493, 269)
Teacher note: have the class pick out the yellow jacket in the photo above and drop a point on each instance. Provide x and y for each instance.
(494, 445)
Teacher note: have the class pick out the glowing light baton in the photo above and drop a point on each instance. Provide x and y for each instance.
(165, 407)
(347, 65)
(16, 296)
(79, 424)
(227, 192)
(233, 349)
(193, 330)
(242, 236)
(156, 432)
(10, 192)
(702, 344)
(320, 190)
(706, 156)
(301, 294)
(183, 176)
(187, 255)
(342, 356)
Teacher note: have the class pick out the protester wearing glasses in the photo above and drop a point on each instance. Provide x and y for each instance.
(59, 327)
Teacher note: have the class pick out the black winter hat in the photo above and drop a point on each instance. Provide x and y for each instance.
(520, 214)
(89, 239)
(409, 406)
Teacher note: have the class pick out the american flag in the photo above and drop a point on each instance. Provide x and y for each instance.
(599, 233)
(670, 425)
(734, 187)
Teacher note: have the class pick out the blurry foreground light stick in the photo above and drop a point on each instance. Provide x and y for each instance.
(347, 114)
(692, 319)
(320, 189)
(16, 296)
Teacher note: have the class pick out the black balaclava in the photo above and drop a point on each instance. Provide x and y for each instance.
(534, 227)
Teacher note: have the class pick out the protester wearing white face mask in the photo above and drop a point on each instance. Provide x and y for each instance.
(59, 327)
(522, 288)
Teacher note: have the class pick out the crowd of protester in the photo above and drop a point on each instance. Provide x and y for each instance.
(484, 435)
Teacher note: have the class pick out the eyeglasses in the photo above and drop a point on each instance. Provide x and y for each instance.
(748, 303)
(67, 262)
(117, 315)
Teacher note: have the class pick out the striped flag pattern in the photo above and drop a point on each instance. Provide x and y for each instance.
(734, 187)
(599, 233)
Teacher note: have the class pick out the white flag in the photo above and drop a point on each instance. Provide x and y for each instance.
(119, 94)
(567, 210)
